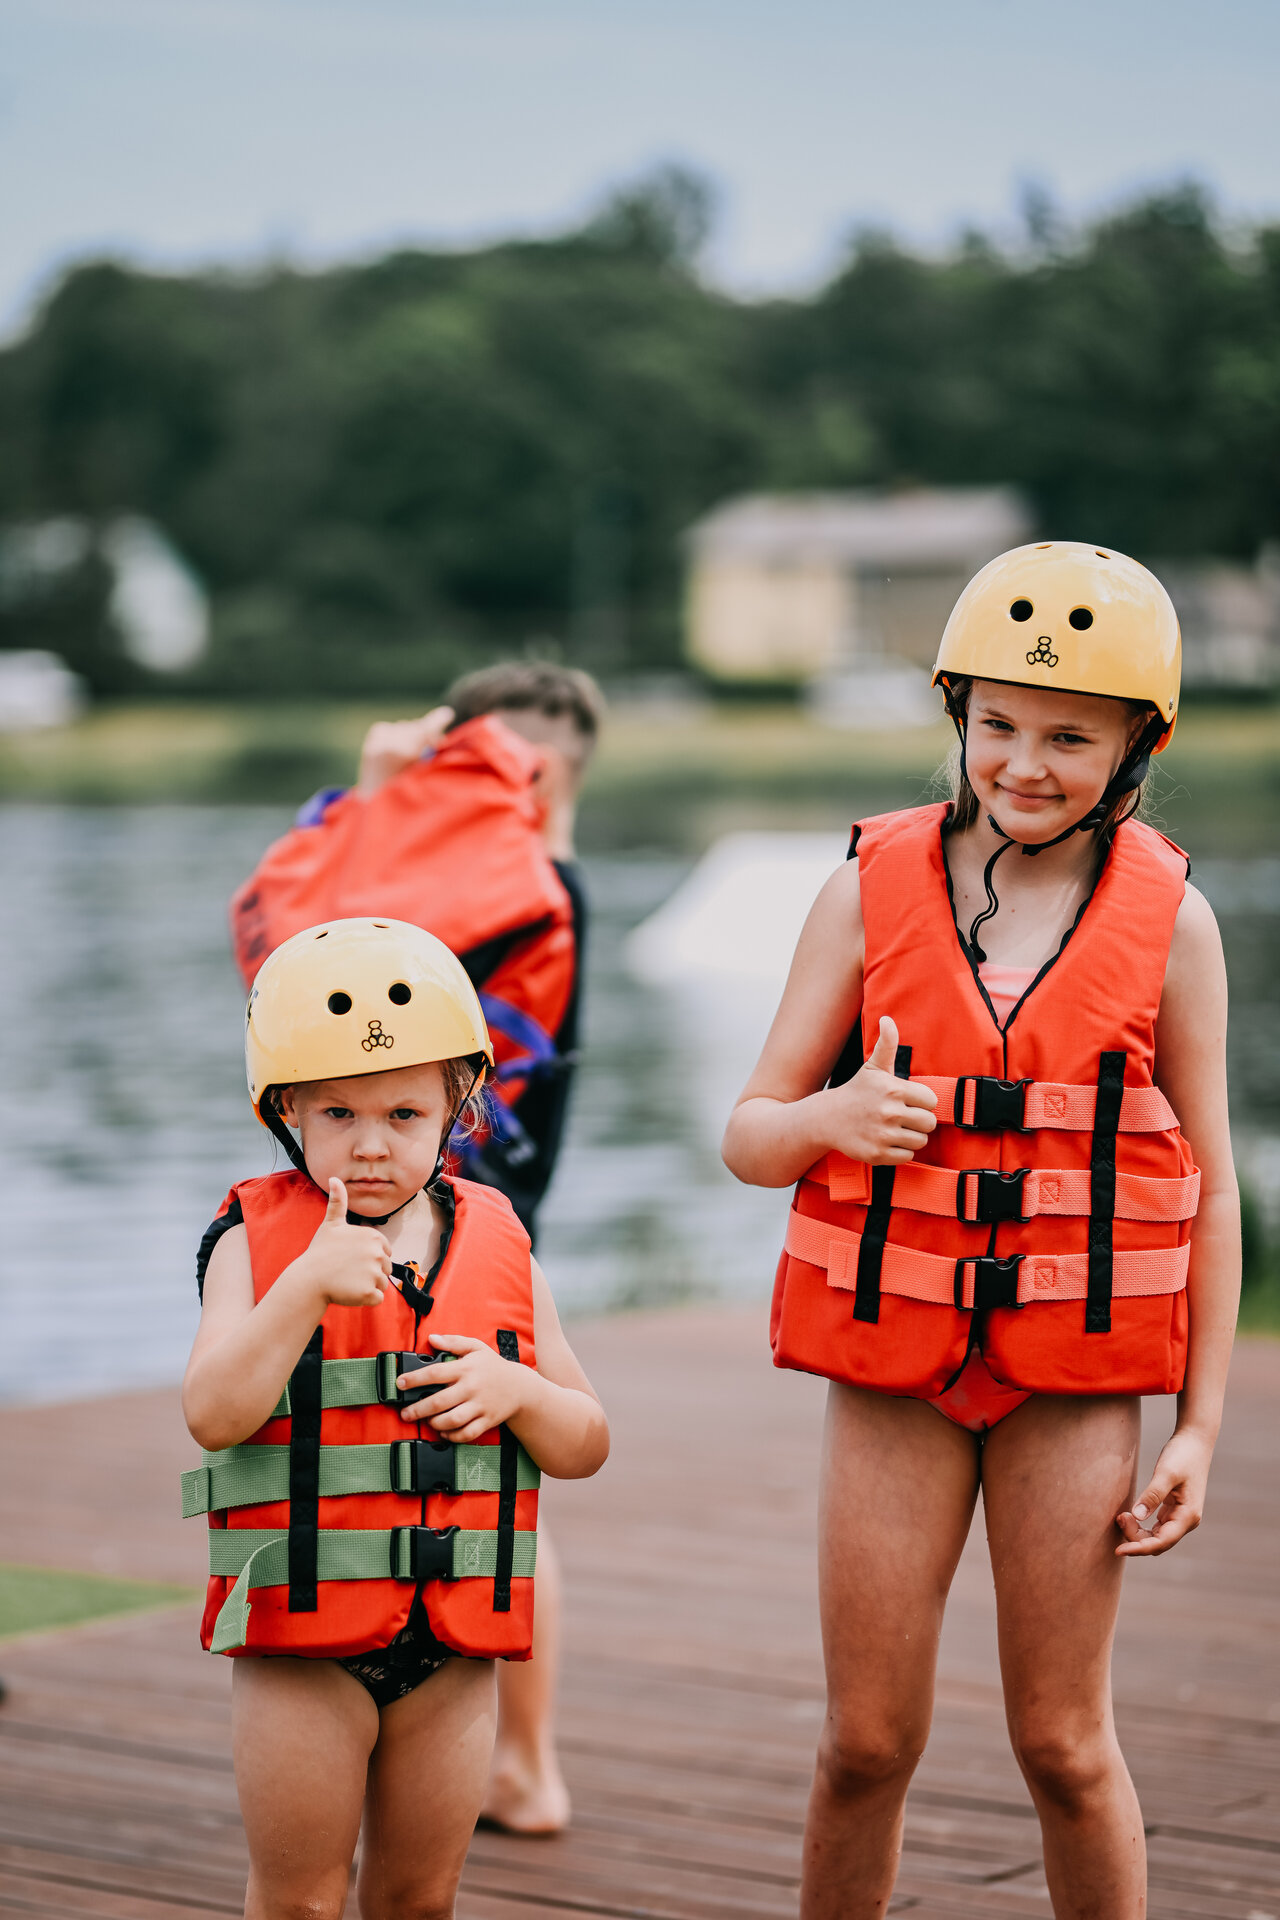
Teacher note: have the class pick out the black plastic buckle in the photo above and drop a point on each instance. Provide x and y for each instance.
(998, 1105)
(998, 1196)
(995, 1281)
(389, 1367)
(423, 1466)
(428, 1553)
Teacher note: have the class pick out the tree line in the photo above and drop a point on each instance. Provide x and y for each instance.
(382, 472)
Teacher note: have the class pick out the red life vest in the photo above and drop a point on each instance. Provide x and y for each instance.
(452, 844)
(348, 1508)
(1047, 1221)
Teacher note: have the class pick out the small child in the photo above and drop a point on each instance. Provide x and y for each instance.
(371, 1485)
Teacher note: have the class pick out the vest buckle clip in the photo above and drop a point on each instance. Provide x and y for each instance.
(987, 1281)
(422, 1553)
(992, 1197)
(999, 1106)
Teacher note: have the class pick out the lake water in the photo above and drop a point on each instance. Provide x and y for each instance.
(125, 1118)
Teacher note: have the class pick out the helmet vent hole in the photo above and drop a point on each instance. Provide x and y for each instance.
(1044, 546)
(1080, 618)
(323, 934)
(1101, 555)
(399, 994)
(339, 1003)
(1021, 610)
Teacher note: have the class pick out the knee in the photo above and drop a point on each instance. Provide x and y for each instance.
(303, 1906)
(407, 1903)
(858, 1756)
(1063, 1766)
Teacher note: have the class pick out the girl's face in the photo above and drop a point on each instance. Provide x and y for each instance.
(378, 1132)
(1039, 760)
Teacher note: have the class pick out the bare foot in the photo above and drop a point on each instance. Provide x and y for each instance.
(526, 1798)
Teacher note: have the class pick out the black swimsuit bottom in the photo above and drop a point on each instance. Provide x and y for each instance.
(389, 1673)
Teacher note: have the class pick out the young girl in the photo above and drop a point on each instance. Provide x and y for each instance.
(997, 1066)
(378, 1377)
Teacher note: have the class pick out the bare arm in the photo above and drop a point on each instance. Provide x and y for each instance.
(787, 1117)
(1191, 1035)
(244, 1353)
(552, 1410)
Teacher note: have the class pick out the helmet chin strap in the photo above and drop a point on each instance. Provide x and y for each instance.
(1127, 778)
(279, 1131)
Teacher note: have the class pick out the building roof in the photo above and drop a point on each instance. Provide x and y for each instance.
(925, 526)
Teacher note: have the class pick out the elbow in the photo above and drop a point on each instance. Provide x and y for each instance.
(734, 1153)
(207, 1423)
(588, 1458)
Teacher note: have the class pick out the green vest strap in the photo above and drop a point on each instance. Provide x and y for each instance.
(343, 1383)
(248, 1476)
(258, 1557)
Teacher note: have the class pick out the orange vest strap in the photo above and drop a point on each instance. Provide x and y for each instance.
(984, 1195)
(967, 1102)
(982, 1282)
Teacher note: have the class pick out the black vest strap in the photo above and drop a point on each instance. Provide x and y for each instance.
(1102, 1191)
(508, 1466)
(304, 1474)
(866, 1297)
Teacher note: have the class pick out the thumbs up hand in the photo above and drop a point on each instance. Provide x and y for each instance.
(347, 1266)
(877, 1118)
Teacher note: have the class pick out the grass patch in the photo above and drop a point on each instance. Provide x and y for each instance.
(37, 1599)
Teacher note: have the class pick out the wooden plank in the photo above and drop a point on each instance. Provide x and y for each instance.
(692, 1694)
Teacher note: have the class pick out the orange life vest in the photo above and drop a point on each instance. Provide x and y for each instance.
(325, 1523)
(1047, 1221)
(451, 844)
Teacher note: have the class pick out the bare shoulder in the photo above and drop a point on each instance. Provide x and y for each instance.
(1195, 975)
(1195, 931)
(229, 1275)
(838, 907)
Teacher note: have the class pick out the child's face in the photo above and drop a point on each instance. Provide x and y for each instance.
(1039, 760)
(378, 1132)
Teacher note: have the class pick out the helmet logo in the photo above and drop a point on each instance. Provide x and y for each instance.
(1042, 654)
(377, 1038)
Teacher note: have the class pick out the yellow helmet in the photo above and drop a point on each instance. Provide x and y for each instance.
(358, 996)
(1064, 614)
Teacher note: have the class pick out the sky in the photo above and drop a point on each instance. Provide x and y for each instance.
(181, 133)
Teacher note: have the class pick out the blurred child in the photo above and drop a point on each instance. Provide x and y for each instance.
(378, 1379)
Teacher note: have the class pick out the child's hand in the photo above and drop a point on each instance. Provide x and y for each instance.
(348, 1266)
(478, 1390)
(876, 1117)
(392, 745)
(1173, 1502)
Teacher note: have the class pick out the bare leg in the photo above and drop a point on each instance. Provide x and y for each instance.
(898, 1489)
(1054, 1476)
(526, 1792)
(426, 1779)
(302, 1732)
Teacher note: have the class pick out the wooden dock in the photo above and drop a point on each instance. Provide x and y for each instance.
(693, 1688)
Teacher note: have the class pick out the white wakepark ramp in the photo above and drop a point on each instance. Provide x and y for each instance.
(718, 950)
(739, 913)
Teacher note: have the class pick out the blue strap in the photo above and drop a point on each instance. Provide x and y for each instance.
(312, 812)
(524, 1030)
